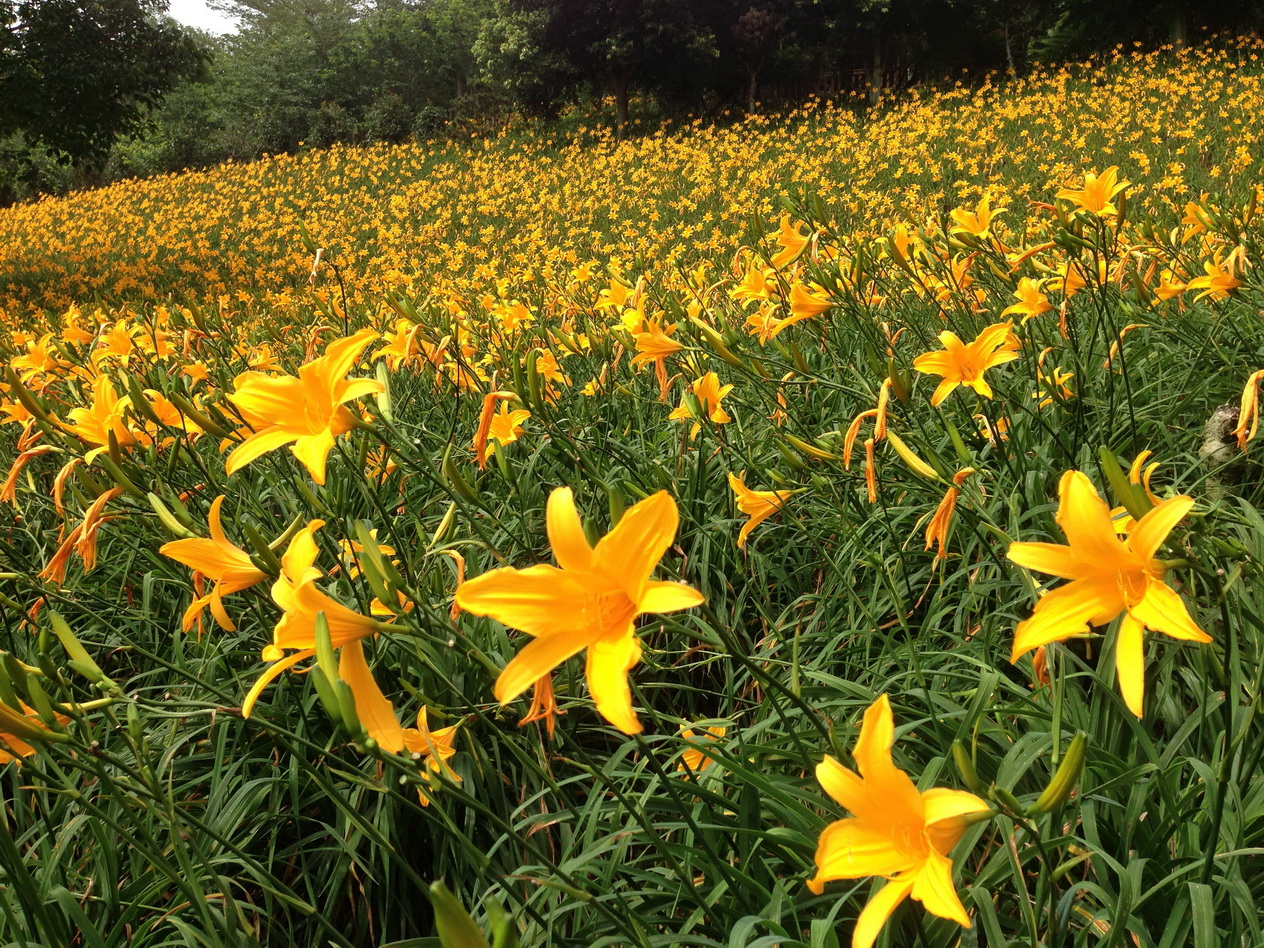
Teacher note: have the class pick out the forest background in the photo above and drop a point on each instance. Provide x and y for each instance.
(98, 90)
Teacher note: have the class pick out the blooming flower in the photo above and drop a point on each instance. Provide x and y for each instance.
(1097, 195)
(1218, 281)
(506, 426)
(759, 505)
(590, 602)
(301, 602)
(228, 566)
(654, 344)
(434, 748)
(107, 415)
(804, 304)
(978, 222)
(709, 393)
(308, 412)
(961, 364)
(791, 240)
(1031, 302)
(1111, 576)
(895, 831)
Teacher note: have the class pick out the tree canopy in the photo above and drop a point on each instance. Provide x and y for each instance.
(79, 73)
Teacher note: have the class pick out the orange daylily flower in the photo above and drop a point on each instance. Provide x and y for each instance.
(804, 304)
(654, 344)
(791, 241)
(307, 412)
(1111, 577)
(895, 832)
(978, 222)
(543, 706)
(228, 566)
(301, 601)
(434, 748)
(941, 520)
(961, 364)
(589, 601)
(1218, 281)
(759, 505)
(1097, 195)
(709, 393)
(1031, 301)
(105, 416)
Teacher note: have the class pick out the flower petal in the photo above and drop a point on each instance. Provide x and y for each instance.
(853, 849)
(269, 674)
(1066, 613)
(1085, 519)
(566, 532)
(372, 707)
(1130, 662)
(609, 661)
(339, 358)
(669, 597)
(313, 450)
(1052, 558)
(1162, 610)
(932, 886)
(628, 554)
(943, 805)
(538, 658)
(1152, 529)
(539, 600)
(877, 735)
(255, 446)
(879, 908)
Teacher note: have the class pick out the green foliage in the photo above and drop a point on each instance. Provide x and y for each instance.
(79, 73)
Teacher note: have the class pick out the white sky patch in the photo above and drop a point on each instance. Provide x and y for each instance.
(196, 13)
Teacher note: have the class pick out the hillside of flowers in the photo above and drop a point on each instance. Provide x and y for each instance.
(836, 528)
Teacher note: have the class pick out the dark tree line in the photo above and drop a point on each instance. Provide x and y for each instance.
(115, 85)
(75, 74)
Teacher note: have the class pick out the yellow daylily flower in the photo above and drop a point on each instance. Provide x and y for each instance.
(307, 412)
(895, 832)
(1097, 195)
(977, 223)
(506, 426)
(301, 601)
(228, 566)
(1218, 282)
(759, 505)
(709, 393)
(590, 602)
(433, 748)
(1111, 576)
(791, 240)
(1031, 301)
(961, 364)
(107, 415)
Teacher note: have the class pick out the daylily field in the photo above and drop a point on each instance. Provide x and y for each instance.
(834, 528)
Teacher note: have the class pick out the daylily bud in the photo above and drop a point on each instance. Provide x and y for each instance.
(1064, 778)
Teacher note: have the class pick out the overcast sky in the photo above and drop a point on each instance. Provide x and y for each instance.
(197, 13)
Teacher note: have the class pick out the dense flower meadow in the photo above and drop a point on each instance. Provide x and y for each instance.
(836, 528)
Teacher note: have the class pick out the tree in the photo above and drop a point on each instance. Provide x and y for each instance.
(77, 74)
